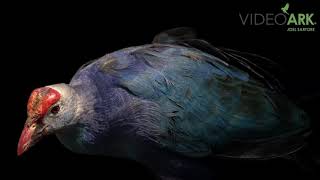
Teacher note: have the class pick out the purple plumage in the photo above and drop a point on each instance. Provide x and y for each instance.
(168, 103)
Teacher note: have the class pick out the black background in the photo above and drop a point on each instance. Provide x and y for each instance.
(46, 43)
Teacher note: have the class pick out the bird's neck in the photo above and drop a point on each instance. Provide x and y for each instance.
(87, 120)
(104, 119)
(95, 112)
(91, 111)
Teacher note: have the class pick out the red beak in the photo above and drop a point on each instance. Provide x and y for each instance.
(25, 139)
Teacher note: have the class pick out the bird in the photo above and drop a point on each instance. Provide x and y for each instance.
(285, 8)
(168, 104)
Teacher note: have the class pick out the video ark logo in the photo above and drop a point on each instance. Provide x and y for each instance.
(294, 22)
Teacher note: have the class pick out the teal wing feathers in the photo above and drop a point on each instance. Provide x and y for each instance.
(208, 105)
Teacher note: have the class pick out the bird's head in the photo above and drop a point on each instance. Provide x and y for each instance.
(50, 109)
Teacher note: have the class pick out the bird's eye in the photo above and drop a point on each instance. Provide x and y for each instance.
(55, 109)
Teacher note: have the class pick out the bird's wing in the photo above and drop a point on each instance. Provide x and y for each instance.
(206, 103)
(255, 65)
(211, 99)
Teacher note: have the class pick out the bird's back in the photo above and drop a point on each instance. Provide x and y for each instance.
(201, 104)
